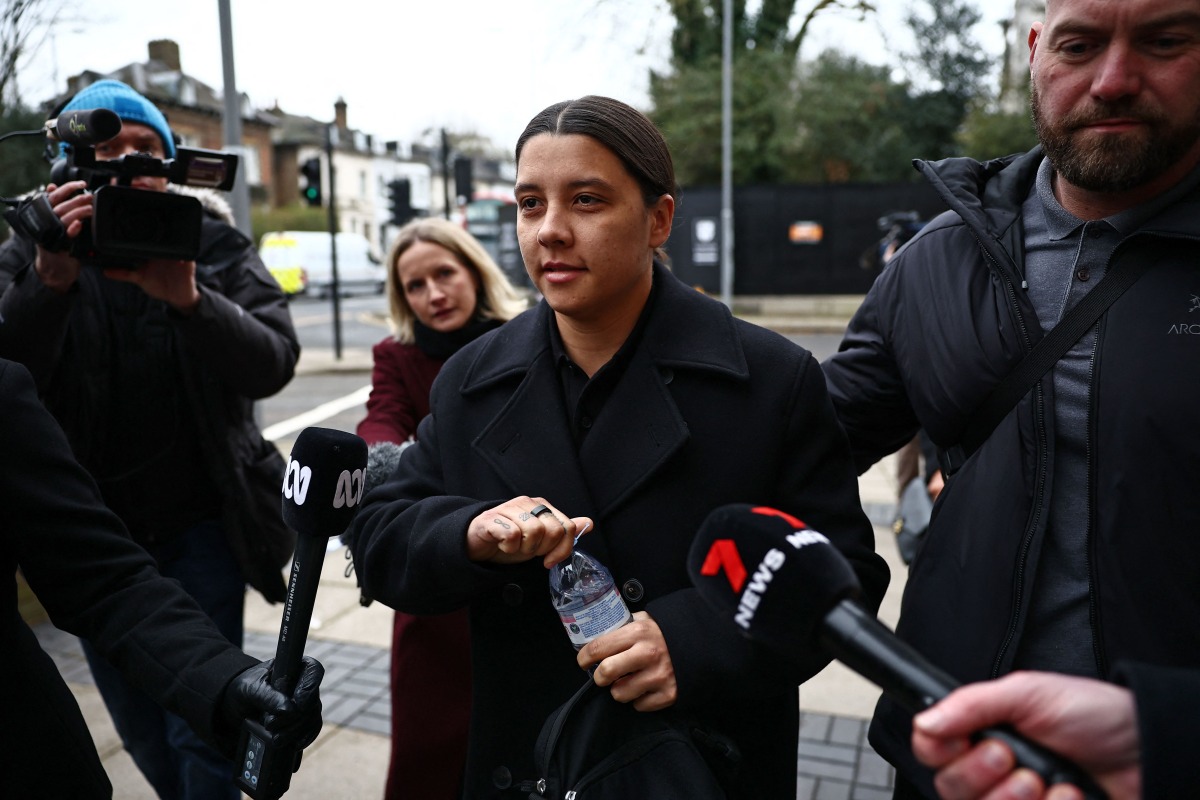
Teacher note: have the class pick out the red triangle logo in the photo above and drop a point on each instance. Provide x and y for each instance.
(724, 555)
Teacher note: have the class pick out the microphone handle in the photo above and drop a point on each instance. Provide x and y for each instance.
(870, 648)
(265, 767)
(297, 610)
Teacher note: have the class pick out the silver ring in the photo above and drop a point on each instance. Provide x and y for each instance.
(539, 509)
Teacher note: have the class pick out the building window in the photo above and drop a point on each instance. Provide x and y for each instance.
(250, 166)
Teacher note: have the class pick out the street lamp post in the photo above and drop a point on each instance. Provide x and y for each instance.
(240, 194)
(727, 155)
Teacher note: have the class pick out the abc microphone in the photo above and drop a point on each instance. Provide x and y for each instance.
(322, 488)
(788, 588)
(321, 492)
(85, 126)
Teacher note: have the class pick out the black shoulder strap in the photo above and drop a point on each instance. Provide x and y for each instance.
(1038, 361)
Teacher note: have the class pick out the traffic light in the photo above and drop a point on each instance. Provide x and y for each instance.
(310, 171)
(400, 201)
(463, 180)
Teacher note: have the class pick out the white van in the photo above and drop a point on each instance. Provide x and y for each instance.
(300, 262)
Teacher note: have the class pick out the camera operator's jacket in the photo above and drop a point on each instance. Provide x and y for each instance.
(97, 584)
(238, 346)
(943, 324)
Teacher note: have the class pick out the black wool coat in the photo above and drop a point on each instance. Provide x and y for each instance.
(710, 411)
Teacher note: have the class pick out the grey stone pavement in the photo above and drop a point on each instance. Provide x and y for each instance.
(349, 758)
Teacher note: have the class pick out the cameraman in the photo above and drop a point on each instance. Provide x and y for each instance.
(152, 370)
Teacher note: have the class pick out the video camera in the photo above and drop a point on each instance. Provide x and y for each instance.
(128, 225)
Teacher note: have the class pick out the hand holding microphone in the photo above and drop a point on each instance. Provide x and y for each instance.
(322, 488)
(1092, 722)
(788, 588)
(294, 719)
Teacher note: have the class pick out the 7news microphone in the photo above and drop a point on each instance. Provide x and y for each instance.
(788, 588)
(322, 488)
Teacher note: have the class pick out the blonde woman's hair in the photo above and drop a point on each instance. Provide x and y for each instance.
(498, 299)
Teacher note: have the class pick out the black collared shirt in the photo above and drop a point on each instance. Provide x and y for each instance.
(585, 398)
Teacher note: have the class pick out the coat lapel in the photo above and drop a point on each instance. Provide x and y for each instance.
(634, 436)
(528, 443)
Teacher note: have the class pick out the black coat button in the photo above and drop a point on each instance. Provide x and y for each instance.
(501, 778)
(633, 590)
(1083, 274)
(513, 594)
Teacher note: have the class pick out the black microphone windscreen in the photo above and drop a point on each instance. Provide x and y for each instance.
(87, 126)
(774, 576)
(382, 459)
(324, 481)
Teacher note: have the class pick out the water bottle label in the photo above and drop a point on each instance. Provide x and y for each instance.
(605, 613)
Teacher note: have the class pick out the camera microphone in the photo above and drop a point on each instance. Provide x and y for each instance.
(88, 126)
(322, 488)
(788, 588)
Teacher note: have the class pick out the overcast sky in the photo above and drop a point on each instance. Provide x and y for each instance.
(405, 67)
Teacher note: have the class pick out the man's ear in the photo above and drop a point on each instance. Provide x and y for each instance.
(1035, 33)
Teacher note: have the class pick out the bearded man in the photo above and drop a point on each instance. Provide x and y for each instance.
(1066, 539)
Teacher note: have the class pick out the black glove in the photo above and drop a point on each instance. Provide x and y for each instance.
(295, 719)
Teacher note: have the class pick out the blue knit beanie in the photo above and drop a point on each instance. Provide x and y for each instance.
(129, 106)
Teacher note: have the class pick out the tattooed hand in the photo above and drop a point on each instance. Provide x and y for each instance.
(521, 529)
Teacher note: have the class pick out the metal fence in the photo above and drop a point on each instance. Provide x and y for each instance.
(791, 239)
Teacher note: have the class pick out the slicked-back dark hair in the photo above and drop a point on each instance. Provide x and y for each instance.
(624, 130)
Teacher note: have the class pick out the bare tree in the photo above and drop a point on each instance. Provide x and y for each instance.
(24, 26)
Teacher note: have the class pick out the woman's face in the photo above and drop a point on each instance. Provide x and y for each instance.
(441, 292)
(585, 232)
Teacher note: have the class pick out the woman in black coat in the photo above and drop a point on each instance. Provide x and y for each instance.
(628, 404)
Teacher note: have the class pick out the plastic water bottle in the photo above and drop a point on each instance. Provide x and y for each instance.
(586, 598)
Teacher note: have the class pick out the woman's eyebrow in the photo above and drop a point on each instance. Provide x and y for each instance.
(578, 183)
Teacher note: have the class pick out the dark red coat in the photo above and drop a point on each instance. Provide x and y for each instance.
(431, 670)
(400, 383)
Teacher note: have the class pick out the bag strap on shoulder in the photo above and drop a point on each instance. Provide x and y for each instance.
(1038, 361)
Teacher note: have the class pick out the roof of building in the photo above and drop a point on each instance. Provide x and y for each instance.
(162, 81)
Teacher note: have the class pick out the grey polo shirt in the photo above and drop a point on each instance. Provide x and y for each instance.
(1064, 258)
